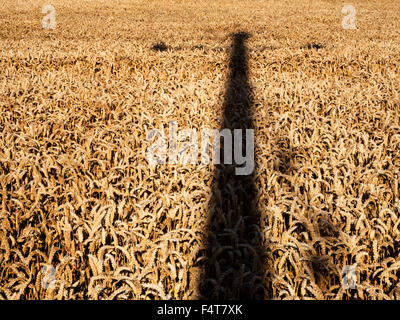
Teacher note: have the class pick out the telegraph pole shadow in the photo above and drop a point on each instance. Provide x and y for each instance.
(234, 268)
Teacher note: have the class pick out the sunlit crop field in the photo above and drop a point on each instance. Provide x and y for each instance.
(84, 216)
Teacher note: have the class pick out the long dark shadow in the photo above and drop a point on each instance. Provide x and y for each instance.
(234, 267)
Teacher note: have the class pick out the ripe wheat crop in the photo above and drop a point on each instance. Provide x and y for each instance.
(77, 194)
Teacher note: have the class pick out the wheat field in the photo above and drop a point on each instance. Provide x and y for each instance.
(84, 216)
